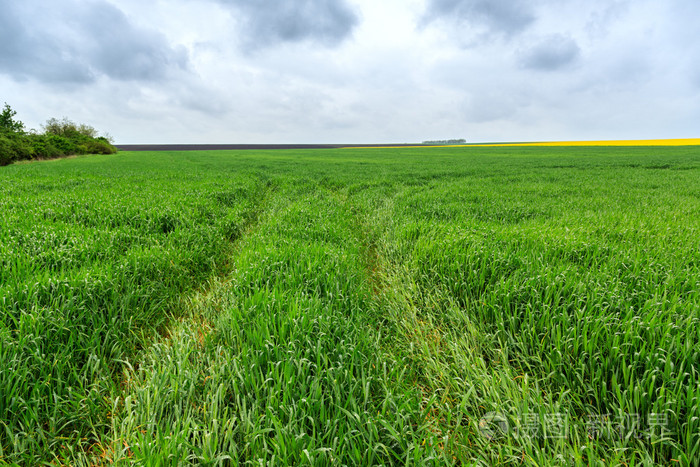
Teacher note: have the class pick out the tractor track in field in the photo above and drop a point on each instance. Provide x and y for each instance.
(209, 292)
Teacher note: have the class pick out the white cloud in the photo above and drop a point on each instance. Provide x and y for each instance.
(76, 42)
(223, 71)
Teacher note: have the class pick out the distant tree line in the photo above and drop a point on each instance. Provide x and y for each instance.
(59, 138)
(444, 142)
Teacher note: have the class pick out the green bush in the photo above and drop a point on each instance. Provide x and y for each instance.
(60, 138)
(63, 144)
(6, 152)
(99, 146)
(69, 129)
(8, 124)
(43, 148)
(23, 148)
(14, 147)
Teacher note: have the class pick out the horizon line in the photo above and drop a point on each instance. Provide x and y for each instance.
(262, 146)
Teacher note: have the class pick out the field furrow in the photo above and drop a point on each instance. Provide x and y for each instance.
(503, 305)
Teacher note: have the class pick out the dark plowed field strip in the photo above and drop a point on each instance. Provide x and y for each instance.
(216, 147)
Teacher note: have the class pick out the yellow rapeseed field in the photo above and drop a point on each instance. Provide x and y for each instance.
(642, 142)
(632, 142)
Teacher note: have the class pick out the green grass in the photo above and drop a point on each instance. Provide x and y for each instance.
(352, 306)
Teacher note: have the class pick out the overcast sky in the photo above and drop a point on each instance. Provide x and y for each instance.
(355, 71)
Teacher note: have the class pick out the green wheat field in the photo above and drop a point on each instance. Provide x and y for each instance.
(412, 306)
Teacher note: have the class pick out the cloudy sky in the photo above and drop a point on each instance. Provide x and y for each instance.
(355, 71)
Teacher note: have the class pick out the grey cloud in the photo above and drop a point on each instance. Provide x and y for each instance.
(76, 42)
(123, 51)
(24, 53)
(552, 53)
(267, 23)
(505, 18)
